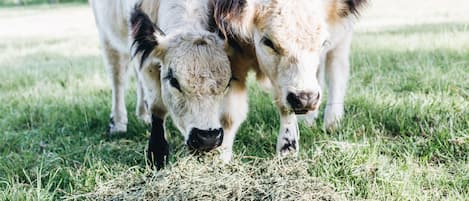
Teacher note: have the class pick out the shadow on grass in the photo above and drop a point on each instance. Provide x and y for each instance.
(55, 119)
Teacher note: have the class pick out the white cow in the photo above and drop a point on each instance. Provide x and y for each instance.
(181, 66)
(290, 44)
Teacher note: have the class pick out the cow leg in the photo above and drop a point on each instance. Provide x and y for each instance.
(288, 138)
(158, 147)
(234, 113)
(116, 66)
(337, 73)
(142, 108)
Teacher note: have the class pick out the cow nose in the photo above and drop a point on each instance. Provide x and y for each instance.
(205, 140)
(302, 102)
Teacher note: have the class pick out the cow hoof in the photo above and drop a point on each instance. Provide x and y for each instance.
(287, 147)
(115, 128)
(332, 118)
(157, 158)
(225, 156)
(146, 118)
(331, 124)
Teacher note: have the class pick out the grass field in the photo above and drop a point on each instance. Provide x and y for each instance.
(405, 135)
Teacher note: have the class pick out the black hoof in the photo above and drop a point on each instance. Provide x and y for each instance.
(158, 147)
(114, 129)
(158, 158)
(112, 124)
(290, 145)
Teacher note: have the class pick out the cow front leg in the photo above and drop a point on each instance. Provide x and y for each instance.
(142, 107)
(158, 147)
(116, 66)
(234, 113)
(337, 73)
(288, 138)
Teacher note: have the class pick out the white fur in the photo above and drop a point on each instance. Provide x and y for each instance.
(202, 70)
(112, 21)
(335, 71)
(299, 28)
(236, 106)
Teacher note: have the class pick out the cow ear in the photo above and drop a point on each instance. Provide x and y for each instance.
(145, 34)
(349, 7)
(229, 13)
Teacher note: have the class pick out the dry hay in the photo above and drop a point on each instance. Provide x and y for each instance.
(202, 178)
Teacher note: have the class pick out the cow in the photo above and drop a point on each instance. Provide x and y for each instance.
(290, 45)
(182, 68)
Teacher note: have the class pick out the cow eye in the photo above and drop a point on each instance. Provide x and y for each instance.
(326, 44)
(229, 83)
(267, 42)
(173, 81)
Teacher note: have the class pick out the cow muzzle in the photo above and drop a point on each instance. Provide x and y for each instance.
(205, 140)
(303, 102)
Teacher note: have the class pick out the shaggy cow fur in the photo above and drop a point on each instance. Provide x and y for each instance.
(182, 68)
(291, 44)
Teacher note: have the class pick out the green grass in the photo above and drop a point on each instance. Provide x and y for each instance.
(405, 135)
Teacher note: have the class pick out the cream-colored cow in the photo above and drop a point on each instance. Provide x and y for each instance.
(290, 44)
(181, 66)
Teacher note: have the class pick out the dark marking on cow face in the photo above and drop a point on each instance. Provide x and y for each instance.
(142, 30)
(227, 12)
(353, 7)
(270, 44)
(289, 144)
(172, 80)
(222, 13)
(234, 45)
(200, 41)
(212, 24)
(158, 147)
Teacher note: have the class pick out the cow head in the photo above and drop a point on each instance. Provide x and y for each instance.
(188, 73)
(289, 39)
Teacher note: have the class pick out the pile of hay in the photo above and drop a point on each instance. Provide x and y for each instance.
(203, 178)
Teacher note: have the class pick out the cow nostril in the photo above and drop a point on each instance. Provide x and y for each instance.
(219, 131)
(306, 96)
(205, 140)
(294, 100)
(303, 101)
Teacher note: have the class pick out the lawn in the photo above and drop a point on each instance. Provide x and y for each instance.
(405, 135)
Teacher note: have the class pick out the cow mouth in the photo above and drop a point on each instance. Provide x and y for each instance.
(301, 111)
(305, 110)
(197, 151)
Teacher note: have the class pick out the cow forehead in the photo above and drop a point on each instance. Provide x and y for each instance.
(200, 66)
(204, 77)
(300, 23)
